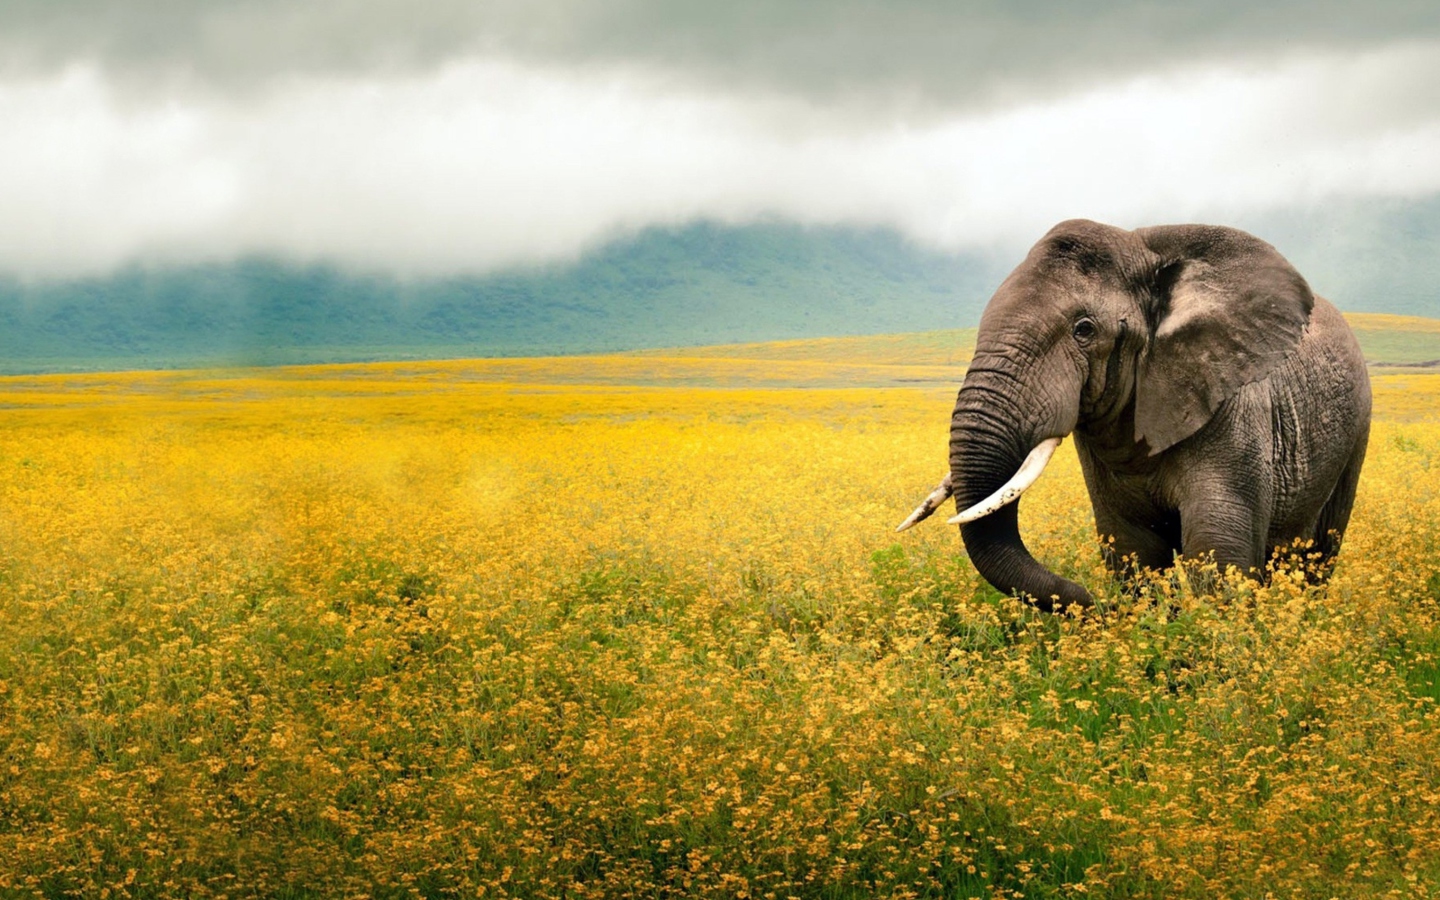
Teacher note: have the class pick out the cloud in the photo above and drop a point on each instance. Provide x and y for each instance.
(882, 54)
(487, 162)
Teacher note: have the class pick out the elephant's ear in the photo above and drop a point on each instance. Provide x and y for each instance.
(1225, 310)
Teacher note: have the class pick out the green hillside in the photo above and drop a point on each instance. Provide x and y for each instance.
(694, 286)
(701, 284)
(1392, 342)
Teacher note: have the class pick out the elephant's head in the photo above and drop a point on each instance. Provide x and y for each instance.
(1132, 339)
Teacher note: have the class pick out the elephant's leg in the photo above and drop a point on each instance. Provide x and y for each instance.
(1224, 524)
(1130, 547)
(1335, 516)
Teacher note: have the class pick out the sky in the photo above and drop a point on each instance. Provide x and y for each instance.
(453, 137)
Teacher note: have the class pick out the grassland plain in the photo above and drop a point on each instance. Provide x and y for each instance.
(639, 627)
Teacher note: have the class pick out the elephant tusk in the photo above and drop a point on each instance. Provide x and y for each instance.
(938, 496)
(1028, 472)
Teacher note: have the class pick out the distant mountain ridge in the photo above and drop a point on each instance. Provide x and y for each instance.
(699, 284)
(691, 285)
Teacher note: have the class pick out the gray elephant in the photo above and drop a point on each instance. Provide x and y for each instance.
(1218, 406)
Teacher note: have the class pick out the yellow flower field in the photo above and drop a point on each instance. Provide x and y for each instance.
(640, 627)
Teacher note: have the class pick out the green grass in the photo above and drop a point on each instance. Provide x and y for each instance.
(1397, 342)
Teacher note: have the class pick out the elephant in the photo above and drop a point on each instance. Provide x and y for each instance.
(1217, 405)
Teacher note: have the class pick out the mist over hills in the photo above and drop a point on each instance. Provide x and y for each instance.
(697, 284)
(1365, 255)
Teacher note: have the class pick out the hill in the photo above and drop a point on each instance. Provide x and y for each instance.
(1397, 342)
(700, 284)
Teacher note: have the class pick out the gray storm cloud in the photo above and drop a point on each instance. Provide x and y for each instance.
(455, 137)
(920, 51)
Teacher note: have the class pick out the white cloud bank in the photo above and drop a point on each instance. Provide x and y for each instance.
(484, 164)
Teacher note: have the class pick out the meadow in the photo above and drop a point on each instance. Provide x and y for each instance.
(639, 626)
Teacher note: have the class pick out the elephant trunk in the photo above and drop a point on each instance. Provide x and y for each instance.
(986, 450)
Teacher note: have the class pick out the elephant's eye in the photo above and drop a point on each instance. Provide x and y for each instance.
(1084, 331)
